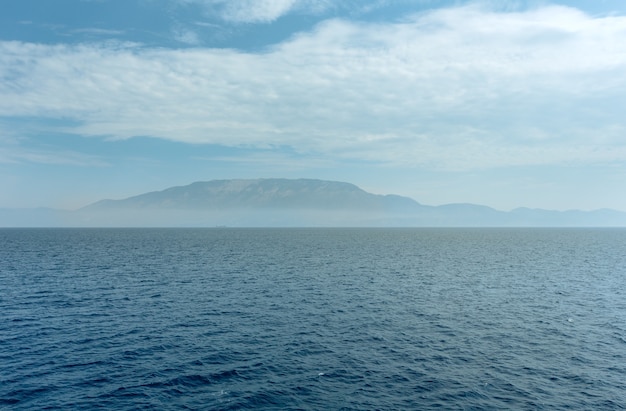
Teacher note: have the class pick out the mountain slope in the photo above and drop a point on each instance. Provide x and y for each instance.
(262, 194)
(294, 203)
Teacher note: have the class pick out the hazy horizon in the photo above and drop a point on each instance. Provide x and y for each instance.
(293, 203)
(505, 104)
(165, 189)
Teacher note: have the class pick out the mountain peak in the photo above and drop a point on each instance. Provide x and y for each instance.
(280, 193)
(282, 202)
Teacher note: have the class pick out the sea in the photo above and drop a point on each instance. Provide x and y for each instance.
(313, 319)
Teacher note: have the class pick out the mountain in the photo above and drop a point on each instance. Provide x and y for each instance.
(262, 194)
(292, 203)
(259, 202)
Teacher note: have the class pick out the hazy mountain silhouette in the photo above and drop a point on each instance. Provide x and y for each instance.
(289, 202)
(262, 194)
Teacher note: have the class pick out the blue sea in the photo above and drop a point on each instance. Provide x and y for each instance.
(313, 319)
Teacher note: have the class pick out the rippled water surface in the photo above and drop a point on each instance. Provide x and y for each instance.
(312, 319)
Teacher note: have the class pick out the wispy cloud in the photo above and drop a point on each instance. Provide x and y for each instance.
(259, 11)
(186, 36)
(456, 88)
(15, 155)
(98, 31)
(273, 160)
(256, 10)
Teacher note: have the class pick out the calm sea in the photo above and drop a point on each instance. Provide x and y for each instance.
(312, 319)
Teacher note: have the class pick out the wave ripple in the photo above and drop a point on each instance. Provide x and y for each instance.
(351, 319)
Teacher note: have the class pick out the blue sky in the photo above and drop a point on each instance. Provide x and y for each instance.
(502, 103)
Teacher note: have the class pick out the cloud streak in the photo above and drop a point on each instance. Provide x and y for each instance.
(258, 11)
(457, 89)
(17, 154)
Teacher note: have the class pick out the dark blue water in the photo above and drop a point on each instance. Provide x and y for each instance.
(312, 319)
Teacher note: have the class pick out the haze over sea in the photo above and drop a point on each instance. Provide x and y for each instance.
(222, 318)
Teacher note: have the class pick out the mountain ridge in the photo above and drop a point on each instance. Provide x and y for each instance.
(282, 202)
(261, 193)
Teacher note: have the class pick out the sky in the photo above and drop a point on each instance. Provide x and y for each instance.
(502, 103)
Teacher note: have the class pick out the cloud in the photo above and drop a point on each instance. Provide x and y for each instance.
(259, 11)
(271, 161)
(246, 11)
(17, 154)
(98, 31)
(460, 88)
(186, 36)
(256, 10)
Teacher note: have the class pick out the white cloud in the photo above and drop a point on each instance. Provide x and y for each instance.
(457, 88)
(17, 154)
(247, 11)
(267, 11)
(187, 36)
(256, 10)
(98, 31)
